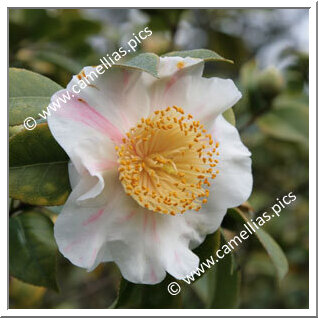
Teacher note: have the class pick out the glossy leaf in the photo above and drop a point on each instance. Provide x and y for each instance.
(29, 94)
(206, 55)
(219, 286)
(209, 246)
(32, 249)
(147, 62)
(277, 256)
(146, 296)
(225, 280)
(38, 168)
(288, 123)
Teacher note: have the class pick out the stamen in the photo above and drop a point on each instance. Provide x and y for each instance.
(167, 162)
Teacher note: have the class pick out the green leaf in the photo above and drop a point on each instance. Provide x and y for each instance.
(146, 296)
(274, 251)
(219, 286)
(38, 171)
(32, 249)
(229, 116)
(225, 282)
(288, 122)
(147, 62)
(209, 246)
(206, 55)
(29, 94)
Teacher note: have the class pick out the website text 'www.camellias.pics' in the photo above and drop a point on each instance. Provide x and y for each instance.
(250, 228)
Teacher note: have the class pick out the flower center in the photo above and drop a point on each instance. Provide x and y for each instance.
(166, 162)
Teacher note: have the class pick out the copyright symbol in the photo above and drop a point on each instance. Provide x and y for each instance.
(174, 288)
(29, 123)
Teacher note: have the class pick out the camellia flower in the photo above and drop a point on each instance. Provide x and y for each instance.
(154, 168)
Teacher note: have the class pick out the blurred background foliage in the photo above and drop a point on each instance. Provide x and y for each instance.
(270, 50)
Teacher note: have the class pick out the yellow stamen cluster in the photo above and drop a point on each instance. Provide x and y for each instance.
(167, 161)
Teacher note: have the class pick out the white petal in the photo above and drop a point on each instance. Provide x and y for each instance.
(90, 124)
(144, 244)
(74, 176)
(85, 135)
(168, 66)
(79, 243)
(173, 90)
(210, 97)
(204, 222)
(99, 222)
(151, 244)
(205, 98)
(118, 95)
(233, 185)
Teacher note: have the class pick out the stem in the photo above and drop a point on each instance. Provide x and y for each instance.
(253, 119)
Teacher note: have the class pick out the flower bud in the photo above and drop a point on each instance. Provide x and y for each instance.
(270, 83)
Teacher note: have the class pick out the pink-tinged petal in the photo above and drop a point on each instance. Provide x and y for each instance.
(145, 223)
(118, 95)
(172, 90)
(153, 276)
(87, 138)
(99, 222)
(80, 230)
(94, 217)
(88, 236)
(170, 66)
(78, 110)
(126, 218)
(91, 149)
(104, 165)
(206, 98)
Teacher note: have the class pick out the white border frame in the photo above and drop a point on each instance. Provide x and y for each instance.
(312, 166)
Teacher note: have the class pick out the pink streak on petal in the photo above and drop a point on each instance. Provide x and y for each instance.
(80, 111)
(145, 221)
(123, 115)
(126, 77)
(177, 257)
(94, 217)
(125, 120)
(171, 82)
(94, 255)
(69, 247)
(153, 275)
(128, 217)
(104, 165)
